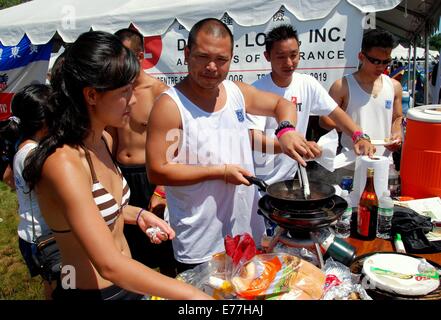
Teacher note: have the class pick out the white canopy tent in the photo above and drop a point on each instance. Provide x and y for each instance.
(402, 53)
(41, 20)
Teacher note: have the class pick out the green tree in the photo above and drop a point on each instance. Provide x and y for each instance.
(435, 41)
(9, 3)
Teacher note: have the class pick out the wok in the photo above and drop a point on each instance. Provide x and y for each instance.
(303, 219)
(289, 193)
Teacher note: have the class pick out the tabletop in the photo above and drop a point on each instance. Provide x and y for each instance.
(380, 245)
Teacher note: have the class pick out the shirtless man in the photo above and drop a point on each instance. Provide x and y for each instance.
(129, 148)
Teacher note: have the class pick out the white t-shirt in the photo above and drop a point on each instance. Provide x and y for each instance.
(311, 98)
(203, 214)
(27, 200)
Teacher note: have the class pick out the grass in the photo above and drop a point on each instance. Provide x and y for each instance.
(15, 281)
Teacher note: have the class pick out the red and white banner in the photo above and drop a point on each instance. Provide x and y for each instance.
(21, 65)
(329, 47)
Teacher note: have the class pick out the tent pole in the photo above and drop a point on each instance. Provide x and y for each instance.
(414, 71)
(426, 64)
(409, 89)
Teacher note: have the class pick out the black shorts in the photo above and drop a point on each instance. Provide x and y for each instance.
(151, 255)
(26, 249)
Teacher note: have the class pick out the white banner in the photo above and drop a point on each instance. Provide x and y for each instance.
(329, 47)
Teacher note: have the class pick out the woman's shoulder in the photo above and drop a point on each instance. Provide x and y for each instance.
(66, 152)
(65, 161)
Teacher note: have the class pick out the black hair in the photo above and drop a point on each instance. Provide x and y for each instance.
(135, 37)
(98, 60)
(434, 73)
(56, 72)
(211, 26)
(31, 112)
(279, 33)
(377, 38)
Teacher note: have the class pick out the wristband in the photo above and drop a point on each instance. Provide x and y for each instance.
(159, 193)
(355, 136)
(283, 131)
(139, 215)
(358, 135)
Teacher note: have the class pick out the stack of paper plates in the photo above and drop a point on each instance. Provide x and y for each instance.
(400, 274)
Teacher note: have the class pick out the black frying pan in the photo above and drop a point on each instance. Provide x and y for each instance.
(290, 191)
(303, 220)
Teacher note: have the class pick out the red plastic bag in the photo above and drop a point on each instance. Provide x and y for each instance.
(241, 248)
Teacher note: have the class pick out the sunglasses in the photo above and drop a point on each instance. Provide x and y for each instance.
(377, 61)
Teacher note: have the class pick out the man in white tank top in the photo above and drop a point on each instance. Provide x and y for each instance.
(372, 99)
(203, 151)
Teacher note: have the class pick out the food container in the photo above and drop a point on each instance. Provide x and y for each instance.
(421, 154)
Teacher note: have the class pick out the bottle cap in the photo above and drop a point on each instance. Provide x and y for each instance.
(398, 237)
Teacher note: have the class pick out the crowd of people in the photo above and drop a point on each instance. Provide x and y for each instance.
(131, 175)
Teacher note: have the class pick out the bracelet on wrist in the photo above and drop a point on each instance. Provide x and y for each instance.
(283, 131)
(357, 135)
(139, 215)
(159, 193)
(282, 125)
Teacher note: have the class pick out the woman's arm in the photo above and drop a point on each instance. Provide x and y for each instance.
(68, 182)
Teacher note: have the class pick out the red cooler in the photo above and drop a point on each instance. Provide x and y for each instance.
(421, 155)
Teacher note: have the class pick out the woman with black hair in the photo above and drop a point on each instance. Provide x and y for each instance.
(28, 125)
(82, 193)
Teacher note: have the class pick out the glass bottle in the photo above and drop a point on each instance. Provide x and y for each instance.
(368, 209)
(343, 226)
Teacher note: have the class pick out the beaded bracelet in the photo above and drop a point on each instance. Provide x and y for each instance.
(139, 215)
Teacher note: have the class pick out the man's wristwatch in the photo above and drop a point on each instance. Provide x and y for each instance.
(283, 125)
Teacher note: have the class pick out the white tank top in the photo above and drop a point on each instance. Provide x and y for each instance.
(203, 214)
(373, 115)
(27, 202)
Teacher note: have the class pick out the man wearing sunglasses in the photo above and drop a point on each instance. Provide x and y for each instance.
(371, 99)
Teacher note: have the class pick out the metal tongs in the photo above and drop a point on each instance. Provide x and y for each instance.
(303, 181)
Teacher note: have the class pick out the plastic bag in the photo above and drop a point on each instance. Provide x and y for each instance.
(211, 277)
(267, 276)
(340, 283)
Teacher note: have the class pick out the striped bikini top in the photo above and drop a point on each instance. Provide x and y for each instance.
(106, 203)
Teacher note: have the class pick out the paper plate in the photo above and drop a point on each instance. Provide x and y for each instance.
(400, 274)
(380, 142)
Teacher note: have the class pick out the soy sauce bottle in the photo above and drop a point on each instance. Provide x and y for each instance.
(368, 209)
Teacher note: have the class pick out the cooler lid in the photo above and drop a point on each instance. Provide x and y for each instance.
(428, 113)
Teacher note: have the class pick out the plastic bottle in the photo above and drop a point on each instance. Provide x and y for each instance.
(368, 209)
(343, 226)
(385, 215)
(399, 245)
(394, 184)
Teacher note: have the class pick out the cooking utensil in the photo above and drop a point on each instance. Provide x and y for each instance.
(288, 192)
(305, 182)
(303, 219)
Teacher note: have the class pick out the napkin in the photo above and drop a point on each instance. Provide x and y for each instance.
(328, 143)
